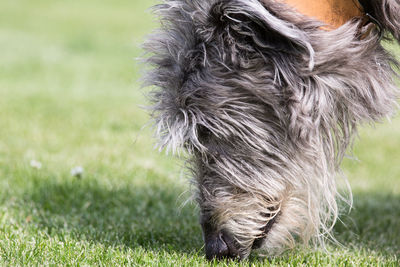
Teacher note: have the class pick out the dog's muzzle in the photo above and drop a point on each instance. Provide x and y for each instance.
(220, 246)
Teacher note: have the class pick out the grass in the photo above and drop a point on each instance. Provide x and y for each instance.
(69, 96)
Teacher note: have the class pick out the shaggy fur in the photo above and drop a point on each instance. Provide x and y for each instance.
(266, 103)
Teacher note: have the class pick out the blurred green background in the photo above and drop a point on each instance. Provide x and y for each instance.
(70, 96)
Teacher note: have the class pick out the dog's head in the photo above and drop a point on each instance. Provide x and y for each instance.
(263, 101)
(255, 190)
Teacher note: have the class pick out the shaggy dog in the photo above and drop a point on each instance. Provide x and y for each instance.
(265, 102)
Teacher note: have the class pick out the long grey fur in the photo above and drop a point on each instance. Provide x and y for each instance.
(266, 105)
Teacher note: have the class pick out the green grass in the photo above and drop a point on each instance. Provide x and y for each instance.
(69, 96)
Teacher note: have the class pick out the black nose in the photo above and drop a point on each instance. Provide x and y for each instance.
(218, 248)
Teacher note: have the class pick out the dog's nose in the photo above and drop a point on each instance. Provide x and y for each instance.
(217, 248)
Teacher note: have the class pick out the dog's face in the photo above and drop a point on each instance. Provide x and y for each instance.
(252, 196)
(236, 216)
(233, 228)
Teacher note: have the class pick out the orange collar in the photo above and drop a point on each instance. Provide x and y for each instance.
(334, 13)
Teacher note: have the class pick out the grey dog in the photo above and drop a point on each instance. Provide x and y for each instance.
(266, 103)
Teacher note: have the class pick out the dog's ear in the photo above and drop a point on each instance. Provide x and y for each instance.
(174, 53)
(249, 25)
(385, 13)
(194, 36)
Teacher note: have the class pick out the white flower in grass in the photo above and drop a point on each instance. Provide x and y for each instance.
(36, 164)
(77, 171)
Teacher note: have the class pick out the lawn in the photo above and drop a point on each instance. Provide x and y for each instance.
(70, 96)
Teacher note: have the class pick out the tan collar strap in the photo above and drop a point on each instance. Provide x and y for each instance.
(334, 13)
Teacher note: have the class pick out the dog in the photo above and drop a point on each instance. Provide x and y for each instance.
(265, 100)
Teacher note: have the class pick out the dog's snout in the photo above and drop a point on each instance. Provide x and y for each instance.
(217, 247)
